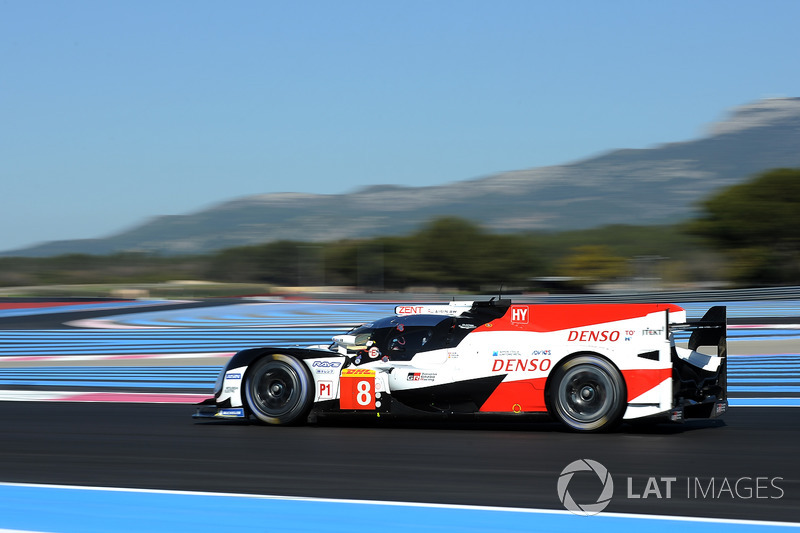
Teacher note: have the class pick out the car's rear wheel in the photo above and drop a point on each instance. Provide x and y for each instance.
(279, 390)
(587, 393)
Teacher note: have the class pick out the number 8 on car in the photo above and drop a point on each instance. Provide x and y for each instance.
(357, 389)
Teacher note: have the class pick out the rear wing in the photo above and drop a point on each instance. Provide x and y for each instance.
(711, 330)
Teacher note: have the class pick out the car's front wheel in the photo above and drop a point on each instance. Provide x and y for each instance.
(587, 393)
(279, 390)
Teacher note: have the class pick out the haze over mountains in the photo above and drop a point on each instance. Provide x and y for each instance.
(648, 186)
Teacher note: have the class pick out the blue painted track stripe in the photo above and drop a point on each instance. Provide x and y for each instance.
(761, 378)
(765, 365)
(111, 342)
(87, 510)
(745, 309)
(766, 389)
(773, 368)
(764, 402)
(763, 357)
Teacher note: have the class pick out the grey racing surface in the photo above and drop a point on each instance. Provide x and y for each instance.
(742, 466)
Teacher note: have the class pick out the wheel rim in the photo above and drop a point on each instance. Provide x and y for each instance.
(276, 389)
(586, 394)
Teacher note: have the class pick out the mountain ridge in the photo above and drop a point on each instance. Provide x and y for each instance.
(643, 186)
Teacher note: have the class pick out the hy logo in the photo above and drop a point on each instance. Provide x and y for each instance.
(585, 465)
(519, 315)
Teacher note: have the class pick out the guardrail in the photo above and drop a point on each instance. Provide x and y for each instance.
(702, 295)
(727, 295)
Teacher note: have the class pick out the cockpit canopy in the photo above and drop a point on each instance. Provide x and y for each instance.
(417, 328)
(398, 338)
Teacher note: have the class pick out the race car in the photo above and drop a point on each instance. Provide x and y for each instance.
(590, 366)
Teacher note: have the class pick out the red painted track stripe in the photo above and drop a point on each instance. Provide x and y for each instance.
(37, 305)
(116, 357)
(132, 397)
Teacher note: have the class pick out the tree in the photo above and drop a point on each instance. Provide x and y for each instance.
(757, 223)
(446, 250)
(593, 263)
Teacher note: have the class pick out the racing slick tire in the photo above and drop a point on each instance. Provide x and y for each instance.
(279, 390)
(587, 393)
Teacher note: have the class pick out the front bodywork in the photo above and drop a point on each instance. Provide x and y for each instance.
(498, 358)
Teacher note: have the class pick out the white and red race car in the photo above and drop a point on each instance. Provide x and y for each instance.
(588, 366)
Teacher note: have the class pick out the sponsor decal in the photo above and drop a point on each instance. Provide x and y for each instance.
(467, 326)
(325, 390)
(233, 375)
(230, 390)
(451, 354)
(452, 309)
(238, 413)
(521, 365)
(648, 331)
(355, 372)
(519, 315)
(421, 376)
(326, 364)
(541, 352)
(506, 353)
(593, 336)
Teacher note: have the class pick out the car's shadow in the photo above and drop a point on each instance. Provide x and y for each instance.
(528, 423)
(543, 426)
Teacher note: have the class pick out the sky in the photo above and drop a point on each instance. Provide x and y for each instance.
(114, 112)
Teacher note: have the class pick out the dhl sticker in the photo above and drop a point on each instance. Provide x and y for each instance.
(357, 372)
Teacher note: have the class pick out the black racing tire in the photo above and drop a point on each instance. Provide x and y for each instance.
(587, 393)
(279, 390)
